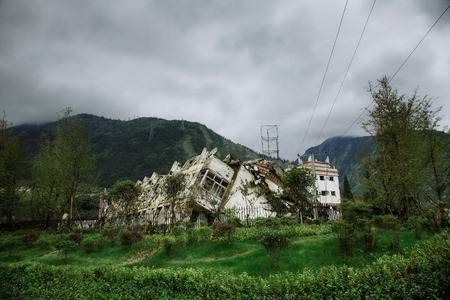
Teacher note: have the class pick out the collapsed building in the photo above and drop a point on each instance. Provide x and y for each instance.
(212, 188)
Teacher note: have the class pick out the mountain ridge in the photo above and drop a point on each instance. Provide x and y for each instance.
(136, 148)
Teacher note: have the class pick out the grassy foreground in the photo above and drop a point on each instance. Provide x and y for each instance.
(312, 247)
(421, 272)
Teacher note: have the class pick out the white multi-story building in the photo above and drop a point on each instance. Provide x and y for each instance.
(327, 180)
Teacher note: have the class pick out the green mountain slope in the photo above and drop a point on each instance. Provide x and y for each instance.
(137, 148)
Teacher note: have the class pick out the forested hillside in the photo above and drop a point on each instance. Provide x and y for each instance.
(137, 148)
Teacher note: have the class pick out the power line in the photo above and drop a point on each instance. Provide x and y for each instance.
(324, 75)
(348, 68)
(401, 66)
(390, 79)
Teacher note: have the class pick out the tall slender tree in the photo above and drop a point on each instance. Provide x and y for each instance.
(12, 162)
(64, 165)
(298, 191)
(174, 186)
(397, 124)
(347, 189)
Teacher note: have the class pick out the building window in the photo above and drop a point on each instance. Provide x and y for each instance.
(333, 193)
(213, 183)
(322, 177)
(324, 193)
(331, 178)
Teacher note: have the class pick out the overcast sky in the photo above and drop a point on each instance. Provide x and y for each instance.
(231, 65)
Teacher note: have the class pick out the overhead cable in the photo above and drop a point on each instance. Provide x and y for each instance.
(324, 75)
(346, 72)
(390, 79)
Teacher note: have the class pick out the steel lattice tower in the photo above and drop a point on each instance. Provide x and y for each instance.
(269, 140)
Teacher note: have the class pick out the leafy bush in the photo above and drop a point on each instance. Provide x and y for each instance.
(148, 243)
(29, 238)
(234, 221)
(173, 245)
(66, 247)
(161, 228)
(353, 212)
(129, 238)
(273, 240)
(75, 237)
(417, 224)
(9, 243)
(63, 230)
(224, 233)
(369, 235)
(178, 231)
(344, 231)
(110, 232)
(192, 236)
(45, 242)
(267, 222)
(94, 243)
(204, 234)
(391, 225)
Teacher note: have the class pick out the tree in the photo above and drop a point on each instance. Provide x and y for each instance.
(174, 185)
(298, 187)
(125, 197)
(397, 124)
(45, 200)
(12, 163)
(66, 246)
(347, 189)
(437, 165)
(273, 240)
(64, 165)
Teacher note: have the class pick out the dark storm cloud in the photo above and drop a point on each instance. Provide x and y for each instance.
(231, 65)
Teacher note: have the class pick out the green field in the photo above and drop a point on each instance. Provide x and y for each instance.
(146, 268)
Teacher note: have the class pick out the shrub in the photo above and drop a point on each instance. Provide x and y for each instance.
(44, 242)
(75, 237)
(268, 222)
(204, 234)
(94, 243)
(129, 238)
(173, 245)
(9, 243)
(178, 231)
(417, 224)
(352, 212)
(192, 236)
(161, 228)
(29, 238)
(234, 221)
(391, 226)
(66, 247)
(224, 233)
(148, 243)
(63, 230)
(273, 240)
(110, 232)
(344, 231)
(369, 236)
